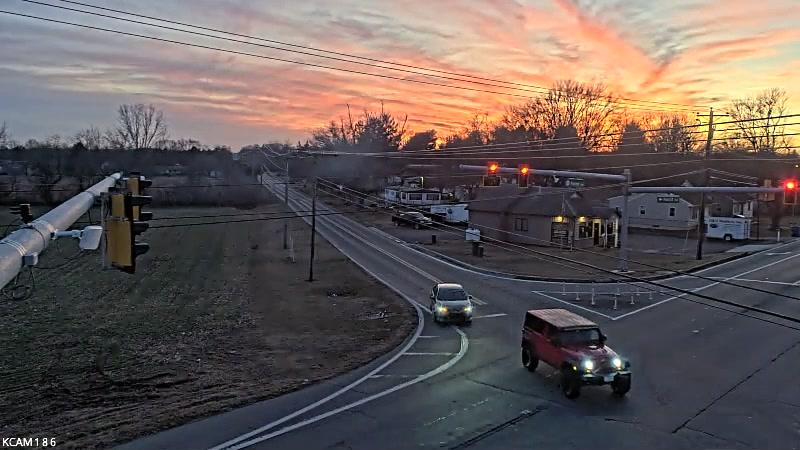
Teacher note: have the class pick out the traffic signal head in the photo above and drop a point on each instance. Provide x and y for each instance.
(122, 229)
(23, 210)
(136, 186)
(790, 185)
(522, 179)
(492, 168)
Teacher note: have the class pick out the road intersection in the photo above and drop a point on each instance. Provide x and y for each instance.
(703, 376)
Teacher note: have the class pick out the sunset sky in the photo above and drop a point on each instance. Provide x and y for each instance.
(56, 79)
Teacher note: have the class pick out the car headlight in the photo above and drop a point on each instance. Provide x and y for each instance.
(588, 364)
(441, 309)
(468, 309)
(617, 363)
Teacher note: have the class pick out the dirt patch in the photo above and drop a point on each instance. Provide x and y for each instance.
(216, 317)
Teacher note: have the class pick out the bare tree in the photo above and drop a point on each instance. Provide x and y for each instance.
(90, 138)
(3, 135)
(138, 126)
(587, 108)
(764, 129)
(672, 135)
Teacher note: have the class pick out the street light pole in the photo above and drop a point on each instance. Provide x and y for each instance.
(286, 202)
(313, 231)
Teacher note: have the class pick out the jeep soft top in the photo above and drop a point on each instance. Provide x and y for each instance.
(562, 319)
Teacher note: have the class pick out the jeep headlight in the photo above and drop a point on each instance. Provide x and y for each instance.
(617, 363)
(468, 309)
(441, 309)
(588, 364)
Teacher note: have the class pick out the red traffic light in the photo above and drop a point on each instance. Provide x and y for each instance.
(493, 167)
(524, 170)
(790, 185)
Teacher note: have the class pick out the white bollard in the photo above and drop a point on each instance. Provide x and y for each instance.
(618, 291)
(577, 295)
(651, 296)
(615, 302)
(632, 302)
(592, 302)
(563, 288)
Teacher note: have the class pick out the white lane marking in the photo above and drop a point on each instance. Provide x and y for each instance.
(395, 357)
(702, 288)
(777, 253)
(428, 354)
(747, 280)
(434, 372)
(488, 316)
(574, 305)
(478, 301)
(428, 337)
(393, 376)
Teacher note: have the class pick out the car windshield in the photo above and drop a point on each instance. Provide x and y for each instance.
(580, 337)
(452, 295)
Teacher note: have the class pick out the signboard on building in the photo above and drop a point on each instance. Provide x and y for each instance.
(668, 199)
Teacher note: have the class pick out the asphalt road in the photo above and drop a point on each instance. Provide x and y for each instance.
(703, 377)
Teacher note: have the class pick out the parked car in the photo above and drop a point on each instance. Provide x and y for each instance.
(412, 218)
(451, 303)
(576, 347)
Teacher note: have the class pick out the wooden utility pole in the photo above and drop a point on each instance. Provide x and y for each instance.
(701, 223)
(313, 232)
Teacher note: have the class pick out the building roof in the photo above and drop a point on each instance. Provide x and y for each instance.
(538, 201)
(561, 318)
(414, 189)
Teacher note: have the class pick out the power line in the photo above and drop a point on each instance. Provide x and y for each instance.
(271, 58)
(684, 291)
(530, 88)
(262, 219)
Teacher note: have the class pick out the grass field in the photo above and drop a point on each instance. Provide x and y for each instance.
(216, 317)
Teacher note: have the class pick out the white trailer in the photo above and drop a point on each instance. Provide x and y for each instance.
(728, 228)
(457, 213)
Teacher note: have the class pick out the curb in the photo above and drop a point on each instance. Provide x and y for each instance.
(515, 276)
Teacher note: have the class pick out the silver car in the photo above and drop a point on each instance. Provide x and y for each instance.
(451, 303)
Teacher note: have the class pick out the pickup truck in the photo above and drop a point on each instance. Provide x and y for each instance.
(412, 218)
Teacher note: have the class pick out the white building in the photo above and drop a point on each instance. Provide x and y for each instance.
(658, 211)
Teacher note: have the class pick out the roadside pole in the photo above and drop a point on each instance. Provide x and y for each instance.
(286, 202)
(313, 231)
(623, 242)
(701, 223)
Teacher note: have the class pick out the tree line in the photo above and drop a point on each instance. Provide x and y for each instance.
(578, 118)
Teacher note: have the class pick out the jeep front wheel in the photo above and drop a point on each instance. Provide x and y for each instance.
(529, 360)
(570, 384)
(621, 385)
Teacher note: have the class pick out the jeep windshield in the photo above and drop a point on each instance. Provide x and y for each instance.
(584, 337)
(452, 295)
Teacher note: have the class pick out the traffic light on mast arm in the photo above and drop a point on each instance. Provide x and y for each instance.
(492, 177)
(790, 188)
(121, 230)
(524, 173)
(136, 186)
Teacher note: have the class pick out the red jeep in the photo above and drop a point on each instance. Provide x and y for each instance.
(575, 346)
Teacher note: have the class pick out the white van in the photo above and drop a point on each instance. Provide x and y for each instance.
(728, 228)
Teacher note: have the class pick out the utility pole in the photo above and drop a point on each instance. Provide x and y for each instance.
(313, 232)
(623, 242)
(286, 202)
(701, 223)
